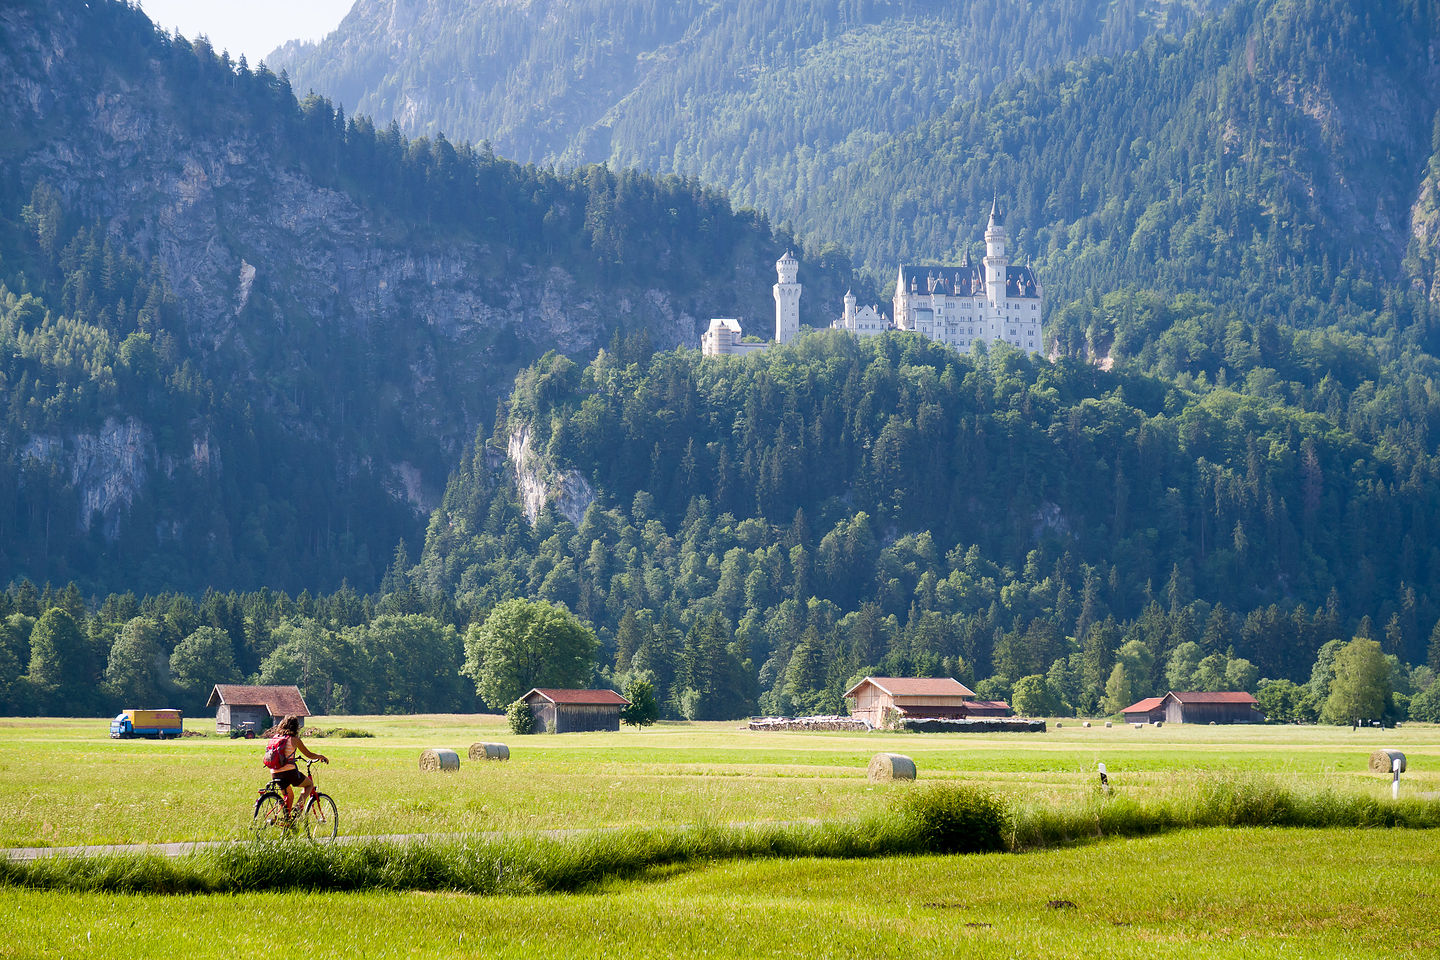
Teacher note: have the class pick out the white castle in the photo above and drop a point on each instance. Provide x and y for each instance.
(725, 337)
(955, 305)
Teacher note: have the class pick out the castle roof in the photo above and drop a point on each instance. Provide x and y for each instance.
(966, 281)
(997, 216)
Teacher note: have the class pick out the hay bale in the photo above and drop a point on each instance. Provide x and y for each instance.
(1085, 724)
(1107, 724)
(438, 758)
(489, 751)
(885, 767)
(1381, 760)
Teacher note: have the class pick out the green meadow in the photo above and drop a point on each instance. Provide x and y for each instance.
(1213, 892)
(64, 782)
(1203, 893)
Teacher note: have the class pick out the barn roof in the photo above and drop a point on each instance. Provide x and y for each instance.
(1229, 696)
(591, 697)
(916, 687)
(1144, 706)
(988, 705)
(279, 701)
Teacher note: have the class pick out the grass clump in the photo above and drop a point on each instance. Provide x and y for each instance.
(952, 819)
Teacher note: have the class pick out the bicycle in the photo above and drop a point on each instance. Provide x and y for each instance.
(317, 817)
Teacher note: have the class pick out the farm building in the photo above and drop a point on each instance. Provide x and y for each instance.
(1225, 707)
(236, 704)
(987, 708)
(1144, 711)
(875, 697)
(571, 711)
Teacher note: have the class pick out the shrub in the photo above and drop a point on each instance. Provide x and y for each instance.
(953, 819)
(520, 717)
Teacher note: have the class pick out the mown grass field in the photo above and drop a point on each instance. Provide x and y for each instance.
(64, 782)
(1207, 893)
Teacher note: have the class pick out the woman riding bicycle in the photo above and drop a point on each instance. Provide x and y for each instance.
(289, 775)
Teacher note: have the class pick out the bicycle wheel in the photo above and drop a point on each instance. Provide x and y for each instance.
(322, 820)
(270, 820)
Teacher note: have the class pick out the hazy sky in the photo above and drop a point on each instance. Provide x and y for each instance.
(251, 27)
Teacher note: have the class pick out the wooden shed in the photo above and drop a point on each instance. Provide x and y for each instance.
(875, 697)
(1223, 707)
(570, 711)
(987, 708)
(237, 703)
(1145, 711)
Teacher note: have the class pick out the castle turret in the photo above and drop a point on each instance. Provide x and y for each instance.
(787, 299)
(850, 304)
(995, 259)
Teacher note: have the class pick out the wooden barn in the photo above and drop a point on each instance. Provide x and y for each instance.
(1145, 711)
(236, 703)
(1224, 707)
(875, 697)
(571, 711)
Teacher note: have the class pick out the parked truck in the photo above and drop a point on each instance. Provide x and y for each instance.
(146, 723)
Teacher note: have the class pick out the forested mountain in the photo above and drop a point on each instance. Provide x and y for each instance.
(1267, 156)
(243, 338)
(837, 506)
(766, 101)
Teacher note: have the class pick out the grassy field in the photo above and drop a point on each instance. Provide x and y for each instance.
(1212, 892)
(1209, 893)
(64, 782)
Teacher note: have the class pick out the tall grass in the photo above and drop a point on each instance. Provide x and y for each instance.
(929, 819)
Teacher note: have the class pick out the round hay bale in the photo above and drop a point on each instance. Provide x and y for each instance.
(1085, 724)
(1107, 724)
(885, 767)
(438, 758)
(489, 751)
(1058, 724)
(1381, 760)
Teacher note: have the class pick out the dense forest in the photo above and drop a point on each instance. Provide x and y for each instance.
(766, 101)
(244, 338)
(1070, 538)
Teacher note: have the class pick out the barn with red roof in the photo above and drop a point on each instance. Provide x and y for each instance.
(570, 711)
(237, 704)
(1221, 707)
(1145, 711)
(877, 699)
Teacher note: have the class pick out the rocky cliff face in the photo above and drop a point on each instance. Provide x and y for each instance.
(540, 482)
(355, 334)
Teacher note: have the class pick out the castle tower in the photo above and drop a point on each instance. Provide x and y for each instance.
(995, 259)
(787, 299)
(850, 304)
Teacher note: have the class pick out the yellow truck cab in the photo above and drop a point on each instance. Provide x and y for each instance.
(146, 723)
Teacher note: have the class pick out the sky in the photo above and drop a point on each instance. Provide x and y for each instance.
(251, 27)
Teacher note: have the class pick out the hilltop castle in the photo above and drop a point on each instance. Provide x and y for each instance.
(724, 336)
(955, 305)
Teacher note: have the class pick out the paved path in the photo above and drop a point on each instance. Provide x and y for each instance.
(187, 847)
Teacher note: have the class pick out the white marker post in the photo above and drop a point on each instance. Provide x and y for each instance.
(1105, 780)
(1395, 779)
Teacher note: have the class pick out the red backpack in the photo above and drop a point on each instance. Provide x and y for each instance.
(275, 757)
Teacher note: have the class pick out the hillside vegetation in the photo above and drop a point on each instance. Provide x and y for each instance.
(244, 338)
